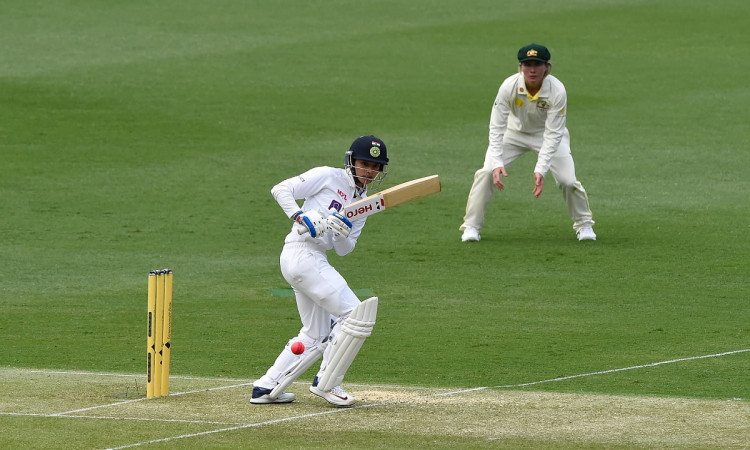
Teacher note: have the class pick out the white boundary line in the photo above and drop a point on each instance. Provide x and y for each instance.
(336, 411)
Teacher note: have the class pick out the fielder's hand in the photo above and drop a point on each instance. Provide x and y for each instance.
(312, 220)
(339, 224)
(538, 185)
(497, 177)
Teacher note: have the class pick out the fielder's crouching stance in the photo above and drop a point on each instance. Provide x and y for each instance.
(334, 322)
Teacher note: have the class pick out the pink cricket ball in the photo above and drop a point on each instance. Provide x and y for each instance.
(298, 348)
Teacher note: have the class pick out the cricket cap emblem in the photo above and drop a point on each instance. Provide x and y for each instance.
(534, 52)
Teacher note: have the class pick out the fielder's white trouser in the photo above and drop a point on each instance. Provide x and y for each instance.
(323, 297)
(562, 169)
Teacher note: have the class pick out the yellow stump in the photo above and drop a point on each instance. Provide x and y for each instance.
(159, 332)
(166, 335)
(150, 335)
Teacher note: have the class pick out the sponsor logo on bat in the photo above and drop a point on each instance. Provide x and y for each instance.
(362, 210)
(366, 210)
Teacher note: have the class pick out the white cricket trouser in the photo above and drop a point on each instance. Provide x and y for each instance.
(562, 169)
(322, 296)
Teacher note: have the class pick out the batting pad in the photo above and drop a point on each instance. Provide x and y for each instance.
(345, 346)
(298, 369)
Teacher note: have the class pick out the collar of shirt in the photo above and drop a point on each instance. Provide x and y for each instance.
(543, 91)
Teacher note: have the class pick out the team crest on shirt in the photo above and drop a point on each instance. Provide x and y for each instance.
(542, 104)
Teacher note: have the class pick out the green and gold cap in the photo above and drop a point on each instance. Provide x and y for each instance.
(534, 52)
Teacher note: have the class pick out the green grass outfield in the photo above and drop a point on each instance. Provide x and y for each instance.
(143, 135)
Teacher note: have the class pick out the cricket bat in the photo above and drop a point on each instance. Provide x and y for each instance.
(391, 197)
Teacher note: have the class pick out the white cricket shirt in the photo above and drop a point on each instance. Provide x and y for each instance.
(541, 116)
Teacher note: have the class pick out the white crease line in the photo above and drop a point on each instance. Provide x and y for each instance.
(462, 391)
(122, 375)
(623, 369)
(602, 372)
(134, 419)
(219, 388)
(74, 411)
(243, 381)
(240, 427)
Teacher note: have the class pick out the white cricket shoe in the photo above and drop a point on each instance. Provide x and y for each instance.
(260, 396)
(336, 396)
(470, 234)
(586, 234)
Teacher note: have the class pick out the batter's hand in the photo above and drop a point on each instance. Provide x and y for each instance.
(497, 175)
(538, 184)
(313, 221)
(339, 224)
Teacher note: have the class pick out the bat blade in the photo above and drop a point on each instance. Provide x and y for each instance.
(411, 190)
(393, 196)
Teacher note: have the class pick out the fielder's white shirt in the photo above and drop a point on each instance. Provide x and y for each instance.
(322, 189)
(541, 115)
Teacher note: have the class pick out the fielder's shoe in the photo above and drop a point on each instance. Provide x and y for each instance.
(586, 234)
(470, 234)
(260, 396)
(336, 396)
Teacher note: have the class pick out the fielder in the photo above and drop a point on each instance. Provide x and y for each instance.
(334, 322)
(529, 116)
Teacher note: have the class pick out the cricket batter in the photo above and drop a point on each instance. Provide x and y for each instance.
(324, 300)
(529, 116)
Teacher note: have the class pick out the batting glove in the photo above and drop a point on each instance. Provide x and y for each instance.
(339, 224)
(312, 220)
